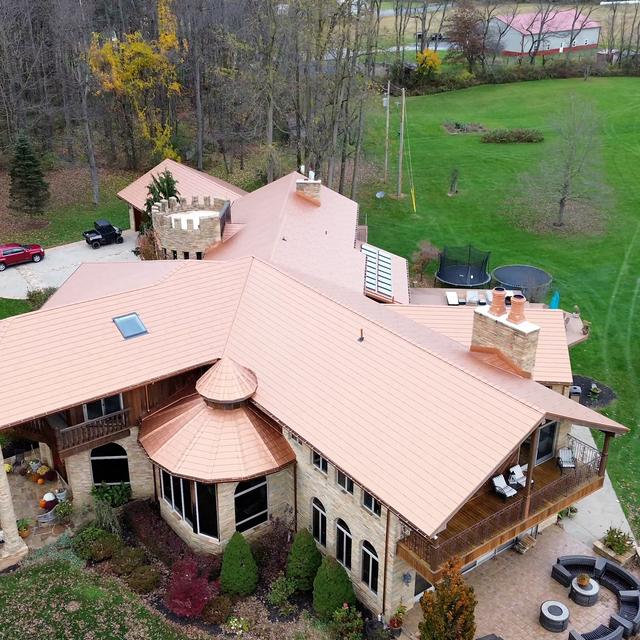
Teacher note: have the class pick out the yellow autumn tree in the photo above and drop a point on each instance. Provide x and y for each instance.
(142, 78)
(428, 62)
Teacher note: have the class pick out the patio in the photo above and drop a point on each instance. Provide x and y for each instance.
(511, 588)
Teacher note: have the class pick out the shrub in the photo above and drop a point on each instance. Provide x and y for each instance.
(106, 517)
(237, 626)
(332, 588)
(113, 494)
(64, 511)
(143, 579)
(346, 623)
(218, 610)
(304, 560)
(96, 544)
(282, 588)
(126, 560)
(239, 575)
(36, 298)
(448, 612)
(512, 135)
(271, 550)
(188, 592)
(617, 540)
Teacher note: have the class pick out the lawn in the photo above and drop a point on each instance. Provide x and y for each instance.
(600, 274)
(11, 307)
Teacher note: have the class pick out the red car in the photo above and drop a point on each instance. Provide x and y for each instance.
(13, 253)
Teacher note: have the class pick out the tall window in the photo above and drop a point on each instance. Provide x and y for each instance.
(103, 407)
(370, 566)
(344, 481)
(343, 544)
(251, 503)
(319, 462)
(194, 502)
(109, 464)
(370, 503)
(319, 522)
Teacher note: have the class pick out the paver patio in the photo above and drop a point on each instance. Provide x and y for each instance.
(511, 587)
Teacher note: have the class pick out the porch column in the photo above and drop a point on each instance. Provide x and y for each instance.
(535, 437)
(604, 455)
(14, 548)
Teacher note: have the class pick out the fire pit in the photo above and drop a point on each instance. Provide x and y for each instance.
(554, 616)
(586, 595)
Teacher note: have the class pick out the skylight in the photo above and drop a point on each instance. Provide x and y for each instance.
(130, 325)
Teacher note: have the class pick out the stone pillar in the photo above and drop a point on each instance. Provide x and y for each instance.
(14, 548)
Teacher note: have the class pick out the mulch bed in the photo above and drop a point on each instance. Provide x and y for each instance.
(463, 127)
(603, 399)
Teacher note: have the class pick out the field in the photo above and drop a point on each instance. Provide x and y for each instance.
(601, 273)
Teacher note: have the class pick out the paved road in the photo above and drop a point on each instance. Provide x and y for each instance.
(59, 263)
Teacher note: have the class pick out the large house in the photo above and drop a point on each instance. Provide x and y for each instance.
(545, 32)
(240, 388)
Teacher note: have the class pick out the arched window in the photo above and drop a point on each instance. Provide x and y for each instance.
(109, 464)
(343, 544)
(370, 566)
(251, 503)
(319, 522)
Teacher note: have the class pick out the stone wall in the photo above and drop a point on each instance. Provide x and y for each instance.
(80, 478)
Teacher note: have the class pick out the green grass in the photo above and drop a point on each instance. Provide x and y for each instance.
(59, 602)
(11, 307)
(601, 274)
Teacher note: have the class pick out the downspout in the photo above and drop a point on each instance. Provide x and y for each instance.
(386, 558)
(295, 496)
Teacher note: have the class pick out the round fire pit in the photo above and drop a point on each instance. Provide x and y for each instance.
(532, 281)
(554, 616)
(585, 596)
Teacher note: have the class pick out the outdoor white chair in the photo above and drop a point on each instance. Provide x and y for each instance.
(566, 459)
(502, 488)
(516, 476)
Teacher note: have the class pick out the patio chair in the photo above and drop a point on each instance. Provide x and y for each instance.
(46, 518)
(566, 459)
(502, 488)
(516, 476)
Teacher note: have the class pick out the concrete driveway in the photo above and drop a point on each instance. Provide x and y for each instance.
(59, 263)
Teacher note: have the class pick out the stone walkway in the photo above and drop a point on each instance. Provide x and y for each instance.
(511, 588)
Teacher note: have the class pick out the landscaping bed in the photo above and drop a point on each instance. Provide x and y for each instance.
(602, 398)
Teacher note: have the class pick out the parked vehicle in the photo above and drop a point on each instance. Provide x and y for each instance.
(437, 36)
(103, 233)
(13, 253)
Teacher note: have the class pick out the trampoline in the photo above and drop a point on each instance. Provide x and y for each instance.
(463, 267)
(532, 281)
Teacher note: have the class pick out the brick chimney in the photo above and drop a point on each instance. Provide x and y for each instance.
(309, 189)
(506, 334)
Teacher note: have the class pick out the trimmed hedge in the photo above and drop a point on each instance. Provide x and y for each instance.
(332, 588)
(239, 575)
(304, 560)
(512, 135)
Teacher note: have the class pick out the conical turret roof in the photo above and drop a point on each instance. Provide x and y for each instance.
(227, 382)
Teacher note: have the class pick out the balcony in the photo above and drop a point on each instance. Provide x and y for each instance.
(487, 521)
(68, 440)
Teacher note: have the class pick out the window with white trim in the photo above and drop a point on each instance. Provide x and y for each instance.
(319, 522)
(319, 462)
(251, 503)
(344, 543)
(297, 439)
(103, 407)
(370, 566)
(344, 481)
(370, 503)
(109, 464)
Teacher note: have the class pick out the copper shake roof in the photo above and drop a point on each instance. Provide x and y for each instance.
(394, 410)
(227, 382)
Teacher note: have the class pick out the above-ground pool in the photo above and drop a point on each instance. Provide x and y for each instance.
(532, 281)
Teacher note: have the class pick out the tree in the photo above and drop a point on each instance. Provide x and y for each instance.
(28, 191)
(304, 560)
(163, 187)
(332, 588)
(188, 592)
(465, 29)
(448, 611)
(423, 257)
(428, 63)
(239, 575)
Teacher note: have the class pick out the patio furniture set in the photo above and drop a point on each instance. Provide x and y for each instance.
(517, 480)
(554, 616)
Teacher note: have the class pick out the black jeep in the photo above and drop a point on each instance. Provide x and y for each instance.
(103, 233)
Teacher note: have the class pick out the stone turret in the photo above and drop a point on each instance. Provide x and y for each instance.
(186, 230)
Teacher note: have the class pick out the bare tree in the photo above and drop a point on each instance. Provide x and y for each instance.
(465, 30)
(538, 28)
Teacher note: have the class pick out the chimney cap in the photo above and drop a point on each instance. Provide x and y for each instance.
(517, 315)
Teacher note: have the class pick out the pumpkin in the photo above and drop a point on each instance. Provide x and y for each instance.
(40, 480)
(43, 503)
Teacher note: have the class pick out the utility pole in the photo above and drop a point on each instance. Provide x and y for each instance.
(400, 151)
(386, 133)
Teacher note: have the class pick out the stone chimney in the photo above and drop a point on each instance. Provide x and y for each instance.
(506, 334)
(309, 189)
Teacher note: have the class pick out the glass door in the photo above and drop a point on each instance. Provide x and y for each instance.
(546, 442)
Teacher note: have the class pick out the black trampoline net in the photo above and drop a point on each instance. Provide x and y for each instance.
(463, 267)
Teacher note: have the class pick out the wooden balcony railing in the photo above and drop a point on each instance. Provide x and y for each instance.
(435, 552)
(79, 434)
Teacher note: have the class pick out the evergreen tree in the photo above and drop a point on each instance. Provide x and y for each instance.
(161, 188)
(304, 560)
(239, 575)
(448, 612)
(332, 588)
(28, 191)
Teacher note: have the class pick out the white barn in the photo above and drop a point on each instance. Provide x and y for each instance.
(557, 32)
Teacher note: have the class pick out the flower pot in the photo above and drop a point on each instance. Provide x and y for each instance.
(583, 579)
(24, 533)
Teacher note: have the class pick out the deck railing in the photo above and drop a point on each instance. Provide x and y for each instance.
(79, 434)
(436, 552)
